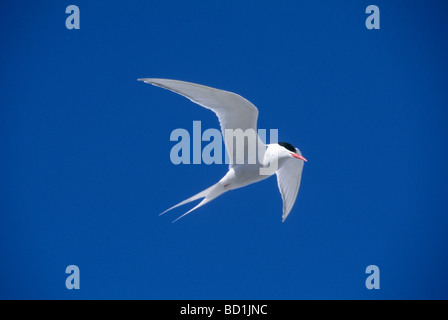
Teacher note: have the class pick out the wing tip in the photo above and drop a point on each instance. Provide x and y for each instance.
(146, 80)
(152, 80)
(285, 215)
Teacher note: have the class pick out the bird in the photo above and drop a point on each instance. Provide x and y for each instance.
(237, 113)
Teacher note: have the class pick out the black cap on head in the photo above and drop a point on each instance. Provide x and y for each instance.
(288, 146)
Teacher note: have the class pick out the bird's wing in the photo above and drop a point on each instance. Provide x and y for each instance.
(233, 111)
(288, 179)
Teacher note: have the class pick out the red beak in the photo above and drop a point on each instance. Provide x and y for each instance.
(298, 156)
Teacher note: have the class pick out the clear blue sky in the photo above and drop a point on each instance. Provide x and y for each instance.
(85, 166)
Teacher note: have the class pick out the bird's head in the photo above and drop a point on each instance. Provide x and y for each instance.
(289, 150)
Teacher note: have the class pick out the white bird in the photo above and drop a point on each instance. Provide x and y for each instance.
(235, 112)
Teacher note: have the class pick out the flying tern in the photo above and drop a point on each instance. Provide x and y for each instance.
(235, 112)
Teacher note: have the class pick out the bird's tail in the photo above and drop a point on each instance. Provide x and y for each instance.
(208, 194)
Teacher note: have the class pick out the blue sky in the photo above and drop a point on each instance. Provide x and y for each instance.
(85, 166)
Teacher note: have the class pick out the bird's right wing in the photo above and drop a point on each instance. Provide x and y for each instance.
(288, 179)
(233, 111)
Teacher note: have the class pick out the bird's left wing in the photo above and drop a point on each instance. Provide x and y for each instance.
(288, 179)
(233, 111)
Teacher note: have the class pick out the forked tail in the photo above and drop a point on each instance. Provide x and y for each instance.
(208, 194)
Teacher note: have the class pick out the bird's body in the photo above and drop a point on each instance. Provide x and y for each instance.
(242, 175)
(254, 161)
